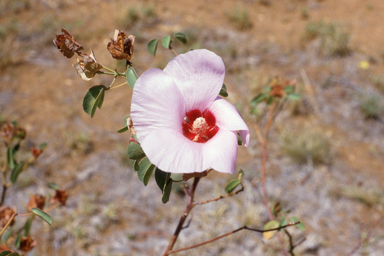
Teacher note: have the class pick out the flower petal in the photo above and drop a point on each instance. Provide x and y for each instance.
(228, 118)
(199, 74)
(172, 152)
(220, 152)
(157, 104)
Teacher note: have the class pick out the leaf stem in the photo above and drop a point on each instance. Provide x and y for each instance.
(117, 86)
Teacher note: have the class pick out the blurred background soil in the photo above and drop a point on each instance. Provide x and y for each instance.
(326, 151)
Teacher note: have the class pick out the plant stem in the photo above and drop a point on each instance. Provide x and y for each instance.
(233, 232)
(187, 210)
(8, 223)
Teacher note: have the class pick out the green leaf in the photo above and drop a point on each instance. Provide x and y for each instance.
(93, 99)
(124, 129)
(167, 191)
(42, 215)
(240, 174)
(239, 140)
(300, 226)
(270, 225)
(161, 178)
(270, 100)
(131, 76)
(181, 37)
(259, 98)
(27, 227)
(166, 41)
(289, 89)
(231, 186)
(43, 146)
(223, 92)
(135, 151)
(294, 96)
(6, 235)
(283, 222)
(18, 241)
(5, 253)
(13, 254)
(136, 165)
(53, 185)
(16, 171)
(152, 46)
(145, 170)
(10, 158)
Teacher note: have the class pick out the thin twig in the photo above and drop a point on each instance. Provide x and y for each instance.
(222, 197)
(187, 210)
(233, 232)
(8, 223)
(369, 233)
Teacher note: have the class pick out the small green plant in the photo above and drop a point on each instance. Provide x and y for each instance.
(334, 41)
(377, 81)
(240, 18)
(370, 105)
(305, 147)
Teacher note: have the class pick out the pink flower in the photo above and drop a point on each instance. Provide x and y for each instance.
(181, 123)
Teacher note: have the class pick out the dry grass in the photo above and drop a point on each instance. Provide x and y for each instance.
(306, 147)
(334, 41)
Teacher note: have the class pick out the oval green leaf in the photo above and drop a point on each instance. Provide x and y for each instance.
(5, 253)
(300, 226)
(16, 171)
(27, 227)
(93, 99)
(223, 92)
(18, 241)
(231, 186)
(161, 178)
(6, 236)
(152, 46)
(42, 215)
(283, 222)
(131, 76)
(181, 37)
(259, 98)
(270, 225)
(54, 186)
(166, 41)
(43, 146)
(135, 151)
(10, 158)
(145, 170)
(294, 96)
(167, 191)
(289, 89)
(121, 130)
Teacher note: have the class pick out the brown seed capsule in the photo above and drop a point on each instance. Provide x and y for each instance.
(60, 196)
(6, 213)
(36, 201)
(8, 132)
(187, 176)
(27, 243)
(121, 46)
(36, 152)
(67, 44)
(87, 67)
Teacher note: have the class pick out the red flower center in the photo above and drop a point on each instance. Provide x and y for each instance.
(199, 127)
